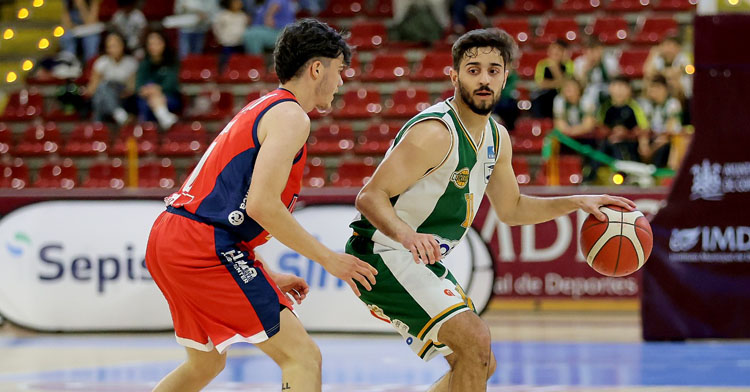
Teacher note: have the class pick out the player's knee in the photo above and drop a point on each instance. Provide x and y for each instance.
(208, 366)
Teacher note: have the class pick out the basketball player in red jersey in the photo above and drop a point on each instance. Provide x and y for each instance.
(201, 249)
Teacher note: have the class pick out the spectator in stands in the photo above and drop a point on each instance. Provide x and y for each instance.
(130, 22)
(193, 38)
(269, 19)
(574, 115)
(229, 26)
(550, 74)
(625, 121)
(664, 117)
(669, 59)
(80, 19)
(112, 80)
(595, 69)
(419, 21)
(462, 11)
(156, 82)
(507, 107)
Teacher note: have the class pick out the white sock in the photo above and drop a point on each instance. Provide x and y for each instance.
(165, 118)
(120, 116)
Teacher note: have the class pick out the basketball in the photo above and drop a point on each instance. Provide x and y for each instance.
(619, 245)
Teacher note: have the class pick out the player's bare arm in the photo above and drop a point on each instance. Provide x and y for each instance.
(513, 208)
(423, 148)
(282, 132)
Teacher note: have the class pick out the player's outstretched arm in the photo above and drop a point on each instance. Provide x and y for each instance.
(424, 147)
(282, 132)
(513, 208)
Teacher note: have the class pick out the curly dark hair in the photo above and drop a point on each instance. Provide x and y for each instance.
(306, 40)
(467, 44)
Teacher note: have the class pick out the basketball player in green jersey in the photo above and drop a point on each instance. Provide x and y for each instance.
(423, 198)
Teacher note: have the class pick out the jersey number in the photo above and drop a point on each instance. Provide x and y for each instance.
(469, 210)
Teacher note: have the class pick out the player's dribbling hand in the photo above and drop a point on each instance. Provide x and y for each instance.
(292, 285)
(349, 268)
(423, 247)
(591, 204)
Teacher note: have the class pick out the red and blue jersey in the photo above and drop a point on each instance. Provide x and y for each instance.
(216, 191)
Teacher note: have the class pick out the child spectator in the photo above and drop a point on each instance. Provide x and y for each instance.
(595, 69)
(131, 24)
(664, 117)
(229, 26)
(624, 120)
(550, 74)
(157, 83)
(112, 80)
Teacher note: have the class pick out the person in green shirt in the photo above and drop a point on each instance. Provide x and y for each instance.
(624, 121)
(157, 84)
(550, 74)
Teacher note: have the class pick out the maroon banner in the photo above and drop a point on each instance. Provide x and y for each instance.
(697, 283)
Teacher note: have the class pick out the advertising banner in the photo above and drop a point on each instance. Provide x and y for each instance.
(697, 283)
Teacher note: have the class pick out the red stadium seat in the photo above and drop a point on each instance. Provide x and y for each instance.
(627, 5)
(23, 105)
(359, 103)
(87, 139)
(631, 62)
(527, 63)
(354, 71)
(554, 29)
(331, 140)
(353, 173)
(518, 28)
(386, 67)
(368, 35)
(529, 7)
(610, 30)
(184, 139)
(107, 9)
(653, 30)
(381, 9)
(676, 5)
(198, 68)
(315, 173)
(6, 139)
(528, 135)
(577, 6)
(157, 174)
(211, 105)
(58, 174)
(14, 174)
(242, 68)
(106, 174)
(145, 135)
(521, 169)
(40, 139)
(158, 10)
(342, 9)
(377, 139)
(407, 103)
(435, 66)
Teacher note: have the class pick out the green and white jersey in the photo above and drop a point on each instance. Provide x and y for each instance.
(445, 200)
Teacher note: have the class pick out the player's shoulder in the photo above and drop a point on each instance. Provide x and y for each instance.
(431, 129)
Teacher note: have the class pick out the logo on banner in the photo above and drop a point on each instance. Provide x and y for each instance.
(18, 245)
(684, 239)
(717, 244)
(711, 181)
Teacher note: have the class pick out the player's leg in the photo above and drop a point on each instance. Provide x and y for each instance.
(195, 373)
(297, 355)
(444, 383)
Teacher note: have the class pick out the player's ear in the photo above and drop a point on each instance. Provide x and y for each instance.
(454, 77)
(316, 69)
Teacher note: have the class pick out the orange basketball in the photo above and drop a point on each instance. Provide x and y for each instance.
(618, 246)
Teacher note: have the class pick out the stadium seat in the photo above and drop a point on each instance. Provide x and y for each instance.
(331, 139)
(87, 139)
(577, 6)
(653, 30)
(14, 174)
(315, 173)
(157, 174)
(610, 30)
(377, 138)
(528, 135)
(554, 29)
(381, 9)
(527, 63)
(435, 66)
(676, 5)
(631, 62)
(529, 7)
(106, 174)
(569, 171)
(360, 103)
(521, 169)
(243, 68)
(39, 139)
(158, 10)
(354, 71)
(107, 9)
(199, 68)
(57, 174)
(211, 105)
(353, 173)
(23, 105)
(518, 28)
(6, 139)
(342, 9)
(407, 103)
(184, 139)
(368, 35)
(386, 67)
(145, 135)
(627, 5)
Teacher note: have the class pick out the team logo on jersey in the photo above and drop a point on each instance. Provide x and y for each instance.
(460, 178)
(488, 168)
(236, 218)
(378, 313)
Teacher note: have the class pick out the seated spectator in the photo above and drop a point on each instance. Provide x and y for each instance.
(229, 25)
(574, 115)
(464, 10)
(550, 74)
(131, 24)
(192, 39)
(419, 21)
(663, 113)
(507, 107)
(112, 80)
(80, 19)
(595, 69)
(669, 59)
(624, 120)
(157, 84)
(270, 17)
